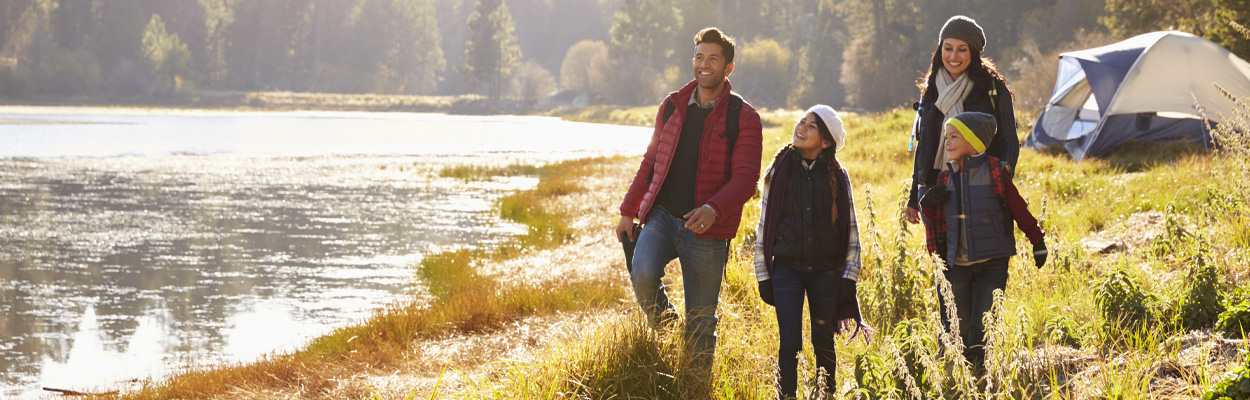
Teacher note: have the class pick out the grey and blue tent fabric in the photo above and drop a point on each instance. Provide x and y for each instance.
(1155, 87)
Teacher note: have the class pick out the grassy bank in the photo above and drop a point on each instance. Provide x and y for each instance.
(1132, 323)
(459, 297)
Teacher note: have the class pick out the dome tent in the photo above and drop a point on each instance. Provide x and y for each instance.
(1152, 87)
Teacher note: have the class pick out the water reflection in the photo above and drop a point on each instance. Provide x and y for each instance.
(119, 268)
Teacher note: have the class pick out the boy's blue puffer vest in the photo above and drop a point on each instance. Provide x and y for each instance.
(990, 232)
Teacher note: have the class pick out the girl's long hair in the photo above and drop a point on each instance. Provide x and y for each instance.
(982, 71)
(832, 166)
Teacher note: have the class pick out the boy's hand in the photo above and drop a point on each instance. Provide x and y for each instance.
(766, 292)
(1039, 253)
(936, 196)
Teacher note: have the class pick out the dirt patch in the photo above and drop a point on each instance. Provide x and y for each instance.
(1140, 230)
(1196, 354)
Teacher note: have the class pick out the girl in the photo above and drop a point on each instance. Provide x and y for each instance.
(808, 246)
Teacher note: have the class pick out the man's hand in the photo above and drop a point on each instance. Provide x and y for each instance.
(913, 216)
(699, 220)
(626, 225)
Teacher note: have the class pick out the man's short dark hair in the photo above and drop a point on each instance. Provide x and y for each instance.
(714, 35)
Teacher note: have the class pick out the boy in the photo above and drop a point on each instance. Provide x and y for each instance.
(970, 212)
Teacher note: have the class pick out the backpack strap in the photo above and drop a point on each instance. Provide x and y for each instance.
(731, 120)
(669, 107)
(993, 94)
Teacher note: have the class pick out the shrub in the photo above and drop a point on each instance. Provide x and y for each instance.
(1063, 331)
(873, 379)
(917, 350)
(1200, 305)
(1122, 304)
(1235, 387)
(765, 70)
(1235, 321)
(1175, 238)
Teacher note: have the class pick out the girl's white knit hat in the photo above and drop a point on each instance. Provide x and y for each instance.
(833, 122)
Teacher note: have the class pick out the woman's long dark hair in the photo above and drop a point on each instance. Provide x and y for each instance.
(982, 71)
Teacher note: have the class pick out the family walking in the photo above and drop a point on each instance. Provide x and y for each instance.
(703, 164)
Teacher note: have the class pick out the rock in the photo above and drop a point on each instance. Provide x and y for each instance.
(1097, 245)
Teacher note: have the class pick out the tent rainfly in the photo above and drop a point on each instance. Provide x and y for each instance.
(1153, 87)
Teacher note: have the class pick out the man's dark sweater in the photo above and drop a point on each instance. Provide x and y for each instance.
(677, 194)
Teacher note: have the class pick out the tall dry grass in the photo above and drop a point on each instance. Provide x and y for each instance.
(1049, 338)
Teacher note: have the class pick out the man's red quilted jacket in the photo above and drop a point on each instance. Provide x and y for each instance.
(724, 181)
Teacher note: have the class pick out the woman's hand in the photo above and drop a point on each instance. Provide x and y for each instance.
(913, 216)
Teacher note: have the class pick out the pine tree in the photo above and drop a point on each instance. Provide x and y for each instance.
(164, 53)
(491, 52)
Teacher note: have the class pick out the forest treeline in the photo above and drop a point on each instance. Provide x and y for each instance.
(863, 54)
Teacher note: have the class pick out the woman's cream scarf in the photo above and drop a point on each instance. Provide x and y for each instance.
(950, 101)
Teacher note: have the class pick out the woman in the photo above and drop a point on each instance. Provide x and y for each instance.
(808, 246)
(959, 80)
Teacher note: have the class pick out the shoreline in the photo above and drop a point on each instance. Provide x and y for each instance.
(563, 216)
(235, 101)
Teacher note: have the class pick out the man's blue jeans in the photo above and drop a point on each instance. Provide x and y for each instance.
(664, 238)
(789, 289)
(973, 288)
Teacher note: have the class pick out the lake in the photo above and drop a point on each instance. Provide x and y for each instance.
(137, 243)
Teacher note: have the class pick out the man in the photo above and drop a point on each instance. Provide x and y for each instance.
(689, 191)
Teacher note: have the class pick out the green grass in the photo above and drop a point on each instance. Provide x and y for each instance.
(477, 173)
(608, 114)
(1072, 200)
(1041, 312)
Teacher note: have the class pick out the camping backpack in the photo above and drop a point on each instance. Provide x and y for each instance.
(731, 121)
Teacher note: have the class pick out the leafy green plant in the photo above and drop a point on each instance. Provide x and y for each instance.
(1062, 331)
(873, 379)
(1123, 305)
(1235, 387)
(1174, 238)
(917, 349)
(1235, 321)
(1200, 304)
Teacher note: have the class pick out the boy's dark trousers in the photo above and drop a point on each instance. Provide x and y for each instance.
(789, 289)
(973, 288)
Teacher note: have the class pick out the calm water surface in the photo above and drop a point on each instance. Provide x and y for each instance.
(134, 244)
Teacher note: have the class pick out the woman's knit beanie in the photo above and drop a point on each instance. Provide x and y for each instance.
(965, 29)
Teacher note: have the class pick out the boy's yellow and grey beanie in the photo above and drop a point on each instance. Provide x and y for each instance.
(965, 29)
(977, 128)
